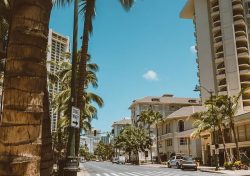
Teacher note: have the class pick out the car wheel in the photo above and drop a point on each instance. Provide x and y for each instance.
(195, 169)
(169, 166)
(178, 165)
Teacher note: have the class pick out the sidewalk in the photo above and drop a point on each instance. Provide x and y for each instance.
(208, 169)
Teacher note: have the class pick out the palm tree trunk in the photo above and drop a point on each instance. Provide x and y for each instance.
(235, 139)
(157, 145)
(25, 139)
(90, 5)
(151, 153)
(224, 143)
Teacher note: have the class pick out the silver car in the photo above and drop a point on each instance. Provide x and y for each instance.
(188, 163)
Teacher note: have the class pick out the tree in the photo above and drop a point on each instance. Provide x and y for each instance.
(133, 140)
(25, 140)
(229, 106)
(211, 119)
(150, 117)
(87, 7)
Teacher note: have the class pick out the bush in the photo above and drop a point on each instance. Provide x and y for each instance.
(228, 165)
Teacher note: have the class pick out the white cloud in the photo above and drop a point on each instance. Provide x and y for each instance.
(192, 49)
(151, 75)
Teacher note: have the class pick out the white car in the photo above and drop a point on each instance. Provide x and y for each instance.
(175, 161)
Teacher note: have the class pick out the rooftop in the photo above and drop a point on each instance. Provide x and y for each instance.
(188, 10)
(123, 122)
(186, 111)
(166, 99)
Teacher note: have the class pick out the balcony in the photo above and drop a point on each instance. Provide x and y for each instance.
(236, 2)
(242, 49)
(238, 7)
(243, 56)
(239, 22)
(222, 92)
(215, 14)
(245, 72)
(219, 54)
(215, 8)
(241, 39)
(218, 38)
(219, 60)
(244, 67)
(221, 76)
(240, 33)
(218, 44)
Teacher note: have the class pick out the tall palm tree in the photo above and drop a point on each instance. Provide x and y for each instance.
(151, 117)
(229, 107)
(206, 120)
(25, 141)
(87, 7)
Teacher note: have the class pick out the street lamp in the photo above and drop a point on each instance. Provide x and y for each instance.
(216, 146)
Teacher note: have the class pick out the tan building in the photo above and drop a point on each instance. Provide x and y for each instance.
(175, 133)
(166, 105)
(58, 46)
(222, 29)
(118, 126)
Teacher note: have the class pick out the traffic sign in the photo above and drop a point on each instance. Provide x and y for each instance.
(75, 117)
(216, 151)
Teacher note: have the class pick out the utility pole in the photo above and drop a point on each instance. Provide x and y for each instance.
(216, 146)
(71, 160)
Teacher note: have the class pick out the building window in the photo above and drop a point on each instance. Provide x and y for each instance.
(169, 142)
(168, 128)
(180, 126)
(183, 141)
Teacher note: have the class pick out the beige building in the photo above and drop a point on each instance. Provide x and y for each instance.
(222, 29)
(175, 133)
(166, 105)
(118, 126)
(58, 46)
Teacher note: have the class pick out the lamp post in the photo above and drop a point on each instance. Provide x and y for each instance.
(216, 146)
(71, 166)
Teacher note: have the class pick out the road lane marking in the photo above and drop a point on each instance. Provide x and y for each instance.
(98, 174)
(106, 174)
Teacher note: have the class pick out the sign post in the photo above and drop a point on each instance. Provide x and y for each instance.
(75, 117)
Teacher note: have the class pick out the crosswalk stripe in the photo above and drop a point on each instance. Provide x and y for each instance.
(114, 174)
(98, 175)
(131, 174)
(106, 174)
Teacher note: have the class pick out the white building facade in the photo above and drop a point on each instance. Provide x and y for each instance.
(58, 48)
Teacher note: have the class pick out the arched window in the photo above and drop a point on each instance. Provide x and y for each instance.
(181, 125)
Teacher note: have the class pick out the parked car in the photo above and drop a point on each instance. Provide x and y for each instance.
(175, 161)
(115, 160)
(82, 160)
(188, 163)
(121, 160)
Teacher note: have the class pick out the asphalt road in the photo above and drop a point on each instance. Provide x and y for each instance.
(109, 169)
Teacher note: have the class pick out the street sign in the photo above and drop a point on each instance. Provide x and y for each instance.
(216, 151)
(75, 117)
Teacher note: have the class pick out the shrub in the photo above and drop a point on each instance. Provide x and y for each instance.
(228, 165)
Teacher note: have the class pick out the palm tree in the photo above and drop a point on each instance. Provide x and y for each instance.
(87, 7)
(206, 121)
(25, 122)
(229, 107)
(150, 117)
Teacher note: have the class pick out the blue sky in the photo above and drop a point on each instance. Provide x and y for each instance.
(144, 52)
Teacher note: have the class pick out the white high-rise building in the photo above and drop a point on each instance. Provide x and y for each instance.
(58, 47)
(222, 29)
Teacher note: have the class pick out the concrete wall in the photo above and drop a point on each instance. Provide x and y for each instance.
(205, 56)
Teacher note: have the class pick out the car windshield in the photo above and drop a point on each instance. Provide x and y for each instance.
(188, 158)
